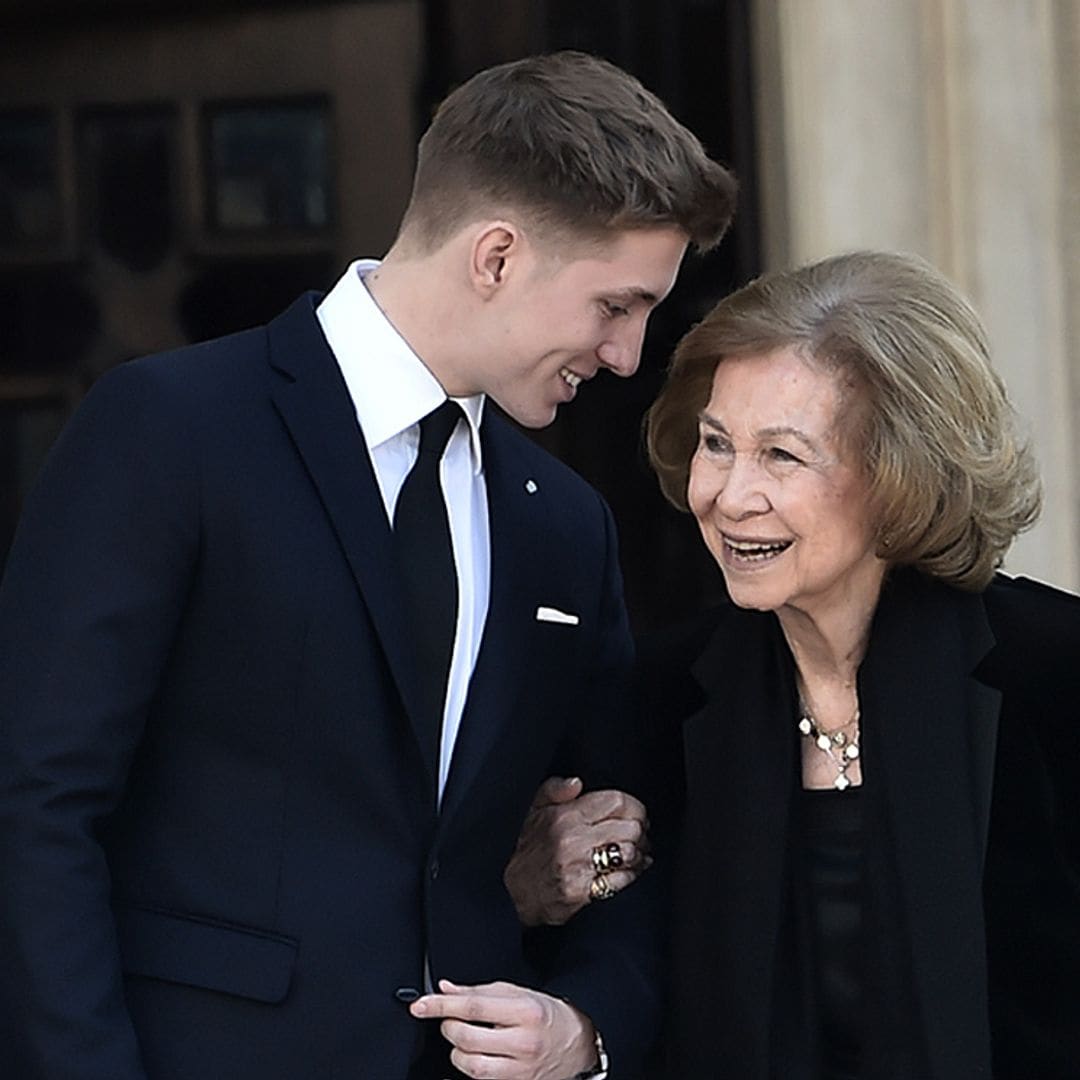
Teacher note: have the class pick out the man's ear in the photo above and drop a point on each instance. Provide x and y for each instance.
(495, 250)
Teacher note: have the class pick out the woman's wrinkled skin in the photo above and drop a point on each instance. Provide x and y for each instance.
(551, 870)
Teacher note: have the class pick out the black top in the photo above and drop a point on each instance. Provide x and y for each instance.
(831, 840)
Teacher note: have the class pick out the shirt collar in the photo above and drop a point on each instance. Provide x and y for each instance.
(390, 386)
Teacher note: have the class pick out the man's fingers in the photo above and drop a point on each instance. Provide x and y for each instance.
(485, 1066)
(555, 790)
(493, 1003)
(495, 1042)
(475, 1039)
(499, 988)
(454, 1006)
(500, 1031)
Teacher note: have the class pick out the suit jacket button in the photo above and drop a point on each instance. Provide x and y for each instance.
(406, 994)
(434, 869)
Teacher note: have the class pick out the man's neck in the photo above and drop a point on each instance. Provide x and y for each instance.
(418, 297)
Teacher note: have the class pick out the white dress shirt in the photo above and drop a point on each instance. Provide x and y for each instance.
(392, 391)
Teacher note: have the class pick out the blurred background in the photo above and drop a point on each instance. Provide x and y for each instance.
(171, 171)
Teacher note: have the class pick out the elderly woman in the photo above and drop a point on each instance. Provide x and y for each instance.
(879, 794)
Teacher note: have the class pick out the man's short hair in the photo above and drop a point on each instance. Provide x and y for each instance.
(574, 143)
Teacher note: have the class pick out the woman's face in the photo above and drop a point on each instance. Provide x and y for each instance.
(781, 503)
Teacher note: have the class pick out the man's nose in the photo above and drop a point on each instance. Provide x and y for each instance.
(621, 352)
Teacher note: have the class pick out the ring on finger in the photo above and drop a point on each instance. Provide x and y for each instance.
(600, 888)
(606, 857)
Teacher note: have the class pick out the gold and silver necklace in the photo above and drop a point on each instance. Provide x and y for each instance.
(840, 748)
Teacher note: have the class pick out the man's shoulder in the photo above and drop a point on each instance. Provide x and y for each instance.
(208, 367)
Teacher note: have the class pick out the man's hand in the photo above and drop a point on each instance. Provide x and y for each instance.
(504, 1032)
(551, 871)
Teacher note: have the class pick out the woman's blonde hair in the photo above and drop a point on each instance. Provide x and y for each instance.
(951, 481)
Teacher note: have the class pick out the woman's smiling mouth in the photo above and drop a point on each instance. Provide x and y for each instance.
(753, 551)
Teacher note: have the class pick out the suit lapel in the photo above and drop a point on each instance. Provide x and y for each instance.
(517, 518)
(313, 401)
(929, 732)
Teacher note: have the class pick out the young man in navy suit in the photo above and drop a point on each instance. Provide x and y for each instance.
(272, 711)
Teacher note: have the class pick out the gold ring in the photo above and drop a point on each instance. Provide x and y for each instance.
(600, 888)
(606, 857)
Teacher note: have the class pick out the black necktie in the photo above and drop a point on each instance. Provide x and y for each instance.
(426, 561)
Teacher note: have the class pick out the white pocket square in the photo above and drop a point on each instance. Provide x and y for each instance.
(550, 614)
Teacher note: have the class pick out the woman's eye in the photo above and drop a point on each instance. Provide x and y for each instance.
(786, 457)
(715, 444)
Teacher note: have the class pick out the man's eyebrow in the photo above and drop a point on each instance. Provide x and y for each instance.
(634, 292)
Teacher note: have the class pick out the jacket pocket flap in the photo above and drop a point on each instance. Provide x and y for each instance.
(199, 952)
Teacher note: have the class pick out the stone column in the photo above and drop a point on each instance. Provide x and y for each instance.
(946, 128)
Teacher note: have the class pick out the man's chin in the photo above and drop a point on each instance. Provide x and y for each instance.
(532, 418)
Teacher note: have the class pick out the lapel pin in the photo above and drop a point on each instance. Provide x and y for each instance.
(530, 486)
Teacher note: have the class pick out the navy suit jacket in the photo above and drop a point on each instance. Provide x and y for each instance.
(219, 854)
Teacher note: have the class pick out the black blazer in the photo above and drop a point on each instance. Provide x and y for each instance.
(971, 746)
(219, 853)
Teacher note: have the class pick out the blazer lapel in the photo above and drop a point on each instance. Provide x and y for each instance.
(313, 401)
(929, 731)
(741, 765)
(983, 715)
(517, 518)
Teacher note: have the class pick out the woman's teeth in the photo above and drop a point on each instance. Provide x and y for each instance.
(751, 549)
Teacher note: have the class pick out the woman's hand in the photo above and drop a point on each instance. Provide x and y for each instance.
(575, 848)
